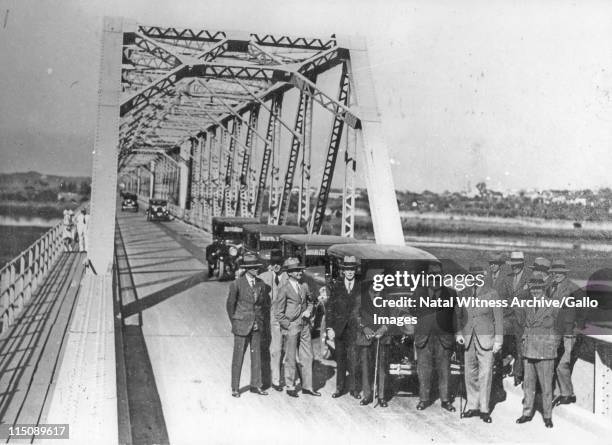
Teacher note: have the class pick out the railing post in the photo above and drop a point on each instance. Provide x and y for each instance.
(4, 292)
(30, 276)
(11, 294)
(20, 284)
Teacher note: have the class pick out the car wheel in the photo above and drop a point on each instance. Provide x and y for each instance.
(211, 271)
(221, 269)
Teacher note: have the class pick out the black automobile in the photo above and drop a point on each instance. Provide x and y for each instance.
(262, 239)
(158, 210)
(226, 246)
(129, 202)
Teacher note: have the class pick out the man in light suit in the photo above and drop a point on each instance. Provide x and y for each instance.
(480, 331)
(342, 326)
(434, 340)
(517, 285)
(293, 312)
(567, 323)
(246, 302)
(540, 344)
(274, 278)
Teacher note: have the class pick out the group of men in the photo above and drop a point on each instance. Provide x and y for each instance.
(531, 344)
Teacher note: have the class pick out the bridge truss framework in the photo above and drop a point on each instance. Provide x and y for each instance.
(181, 116)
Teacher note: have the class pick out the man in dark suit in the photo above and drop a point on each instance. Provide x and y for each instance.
(246, 302)
(540, 344)
(293, 310)
(434, 340)
(342, 325)
(370, 337)
(517, 284)
(567, 323)
(481, 332)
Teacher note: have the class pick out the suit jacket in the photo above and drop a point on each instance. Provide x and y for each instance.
(482, 324)
(568, 316)
(245, 305)
(272, 288)
(340, 313)
(435, 324)
(364, 313)
(540, 337)
(289, 306)
(504, 290)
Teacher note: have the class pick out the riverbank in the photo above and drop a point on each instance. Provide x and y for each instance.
(15, 239)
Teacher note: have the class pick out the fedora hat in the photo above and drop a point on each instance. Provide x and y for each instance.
(497, 258)
(541, 264)
(559, 266)
(250, 262)
(292, 264)
(349, 263)
(517, 258)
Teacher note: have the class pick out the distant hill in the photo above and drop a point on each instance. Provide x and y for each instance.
(35, 181)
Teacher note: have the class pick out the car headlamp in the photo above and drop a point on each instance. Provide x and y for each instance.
(233, 251)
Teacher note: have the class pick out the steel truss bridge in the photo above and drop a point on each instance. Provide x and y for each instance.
(131, 345)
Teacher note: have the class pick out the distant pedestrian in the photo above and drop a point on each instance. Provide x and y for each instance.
(82, 220)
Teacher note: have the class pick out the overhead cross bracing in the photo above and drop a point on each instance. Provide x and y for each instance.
(214, 111)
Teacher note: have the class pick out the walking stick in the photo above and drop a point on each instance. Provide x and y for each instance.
(376, 374)
(462, 402)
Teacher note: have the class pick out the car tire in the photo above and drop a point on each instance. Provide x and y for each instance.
(220, 269)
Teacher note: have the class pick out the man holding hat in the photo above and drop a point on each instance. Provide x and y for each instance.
(480, 331)
(292, 310)
(341, 320)
(246, 302)
(540, 343)
(517, 284)
(562, 287)
(541, 269)
(274, 278)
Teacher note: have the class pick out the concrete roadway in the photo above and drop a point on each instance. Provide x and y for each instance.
(178, 349)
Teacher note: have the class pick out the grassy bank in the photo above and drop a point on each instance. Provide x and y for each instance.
(35, 209)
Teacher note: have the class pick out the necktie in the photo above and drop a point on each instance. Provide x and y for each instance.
(276, 280)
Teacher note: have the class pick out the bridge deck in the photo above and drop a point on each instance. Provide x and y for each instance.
(178, 348)
(30, 351)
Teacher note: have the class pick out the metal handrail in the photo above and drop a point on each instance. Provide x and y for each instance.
(20, 277)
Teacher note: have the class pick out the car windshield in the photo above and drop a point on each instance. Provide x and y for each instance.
(158, 203)
(268, 244)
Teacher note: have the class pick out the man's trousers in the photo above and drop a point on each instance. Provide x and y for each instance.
(367, 355)
(346, 360)
(433, 356)
(299, 347)
(276, 351)
(478, 376)
(240, 343)
(564, 367)
(541, 371)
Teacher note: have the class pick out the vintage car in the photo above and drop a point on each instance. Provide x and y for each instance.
(262, 239)
(226, 246)
(129, 202)
(158, 210)
(376, 259)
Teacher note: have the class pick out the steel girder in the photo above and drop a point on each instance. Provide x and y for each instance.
(332, 154)
(267, 154)
(246, 183)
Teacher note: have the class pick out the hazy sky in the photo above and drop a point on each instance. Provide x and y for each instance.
(517, 92)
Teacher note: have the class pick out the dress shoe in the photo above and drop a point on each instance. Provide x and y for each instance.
(310, 392)
(471, 413)
(259, 391)
(337, 394)
(356, 395)
(548, 423)
(524, 419)
(382, 403)
(422, 405)
(236, 394)
(278, 388)
(448, 406)
(486, 417)
(292, 393)
(571, 399)
(366, 401)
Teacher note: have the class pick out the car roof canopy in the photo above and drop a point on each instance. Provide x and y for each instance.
(321, 240)
(273, 229)
(380, 252)
(234, 220)
(158, 201)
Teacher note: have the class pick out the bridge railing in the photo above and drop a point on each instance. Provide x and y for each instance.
(22, 276)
